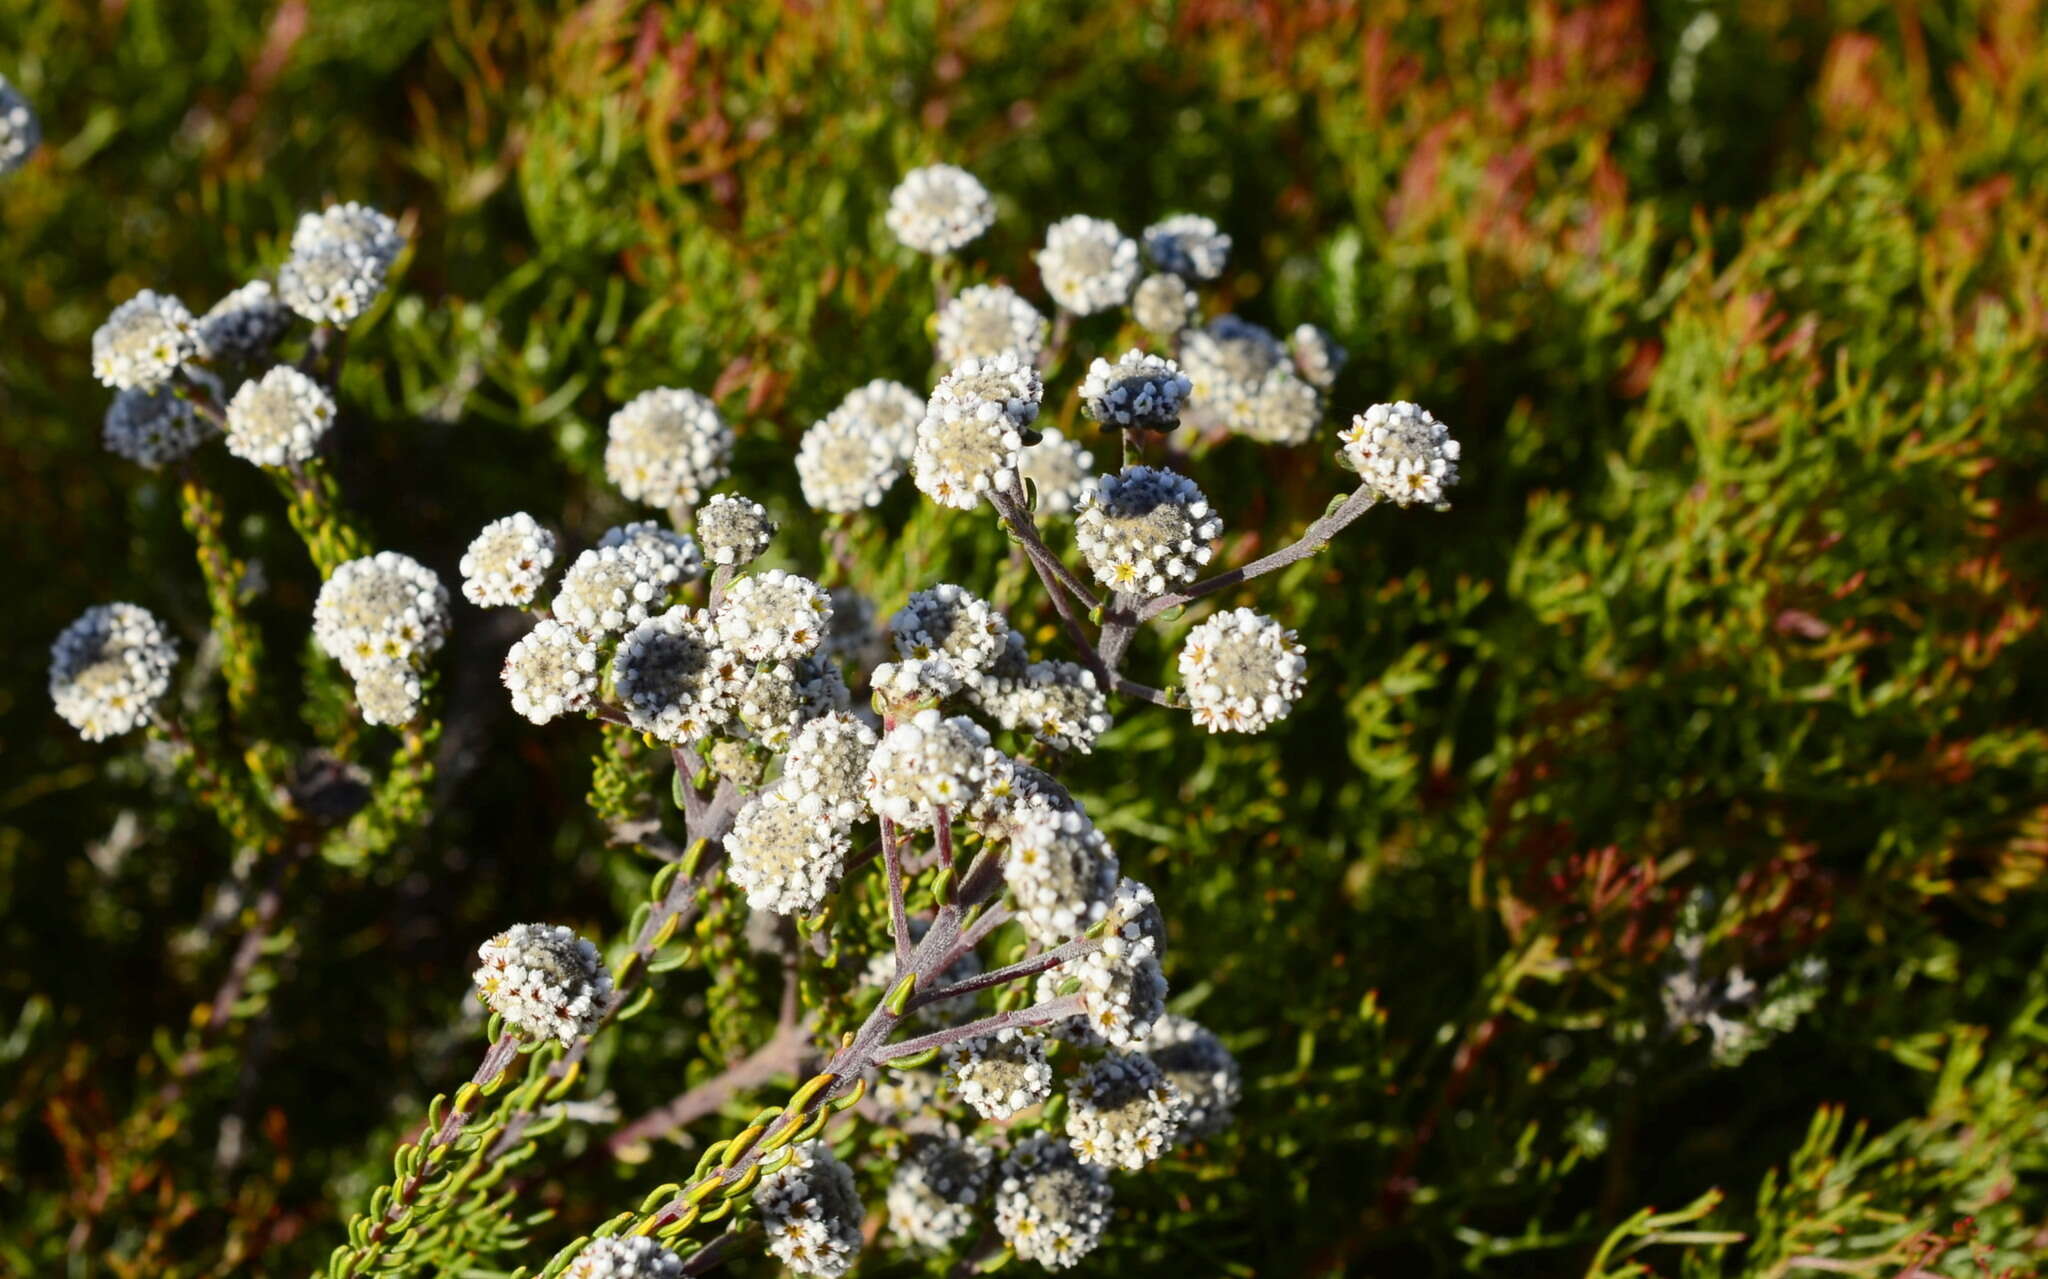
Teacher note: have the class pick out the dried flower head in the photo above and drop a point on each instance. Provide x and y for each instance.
(811, 1212)
(153, 426)
(972, 427)
(774, 617)
(1406, 455)
(388, 693)
(1051, 1207)
(508, 562)
(785, 851)
(279, 418)
(1242, 671)
(931, 1201)
(828, 760)
(144, 341)
(624, 1257)
(1144, 529)
(1317, 357)
(1087, 265)
(667, 447)
(1000, 1073)
(245, 324)
(951, 622)
(544, 980)
(734, 530)
(1123, 1112)
(20, 131)
(1164, 304)
(610, 588)
(382, 608)
(1060, 471)
(939, 208)
(1061, 871)
(551, 671)
(843, 466)
(1189, 245)
(109, 669)
(987, 320)
(1138, 391)
(926, 762)
(674, 679)
(1197, 1063)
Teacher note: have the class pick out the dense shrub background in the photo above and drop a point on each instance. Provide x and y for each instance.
(1739, 311)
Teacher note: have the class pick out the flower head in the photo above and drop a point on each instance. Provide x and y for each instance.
(1406, 455)
(610, 588)
(785, 851)
(675, 555)
(939, 208)
(1060, 704)
(972, 428)
(340, 258)
(1163, 304)
(931, 1201)
(1051, 1207)
(153, 426)
(886, 412)
(1281, 409)
(828, 760)
(1123, 1112)
(144, 341)
(926, 762)
(1000, 1073)
(1138, 391)
(673, 677)
(811, 1212)
(624, 1257)
(279, 418)
(987, 320)
(1201, 1068)
(1189, 245)
(778, 698)
(951, 622)
(774, 617)
(844, 467)
(544, 980)
(551, 671)
(245, 324)
(382, 608)
(109, 668)
(1144, 529)
(734, 530)
(667, 447)
(1087, 264)
(508, 562)
(1242, 671)
(1062, 874)
(1317, 357)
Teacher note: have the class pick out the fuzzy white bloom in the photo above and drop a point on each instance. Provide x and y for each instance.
(1406, 455)
(1242, 382)
(887, 412)
(624, 1257)
(675, 554)
(1123, 990)
(987, 320)
(1051, 1207)
(1010, 791)
(109, 668)
(674, 679)
(972, 428)
(153, 426)
(388, 693)
(926, 762)
(843, 466)
(1139, 390)
(1243, 672)
(1189, 245)
(1317, 357)
(1087, 264)
(781, 697)
(907, 1092)
(1062, 874)
(1060, 704)
(951, 622)
(939, 208)
(774, 617)
(382, 608)
(340, 258)
(915, 682)
(1144, 529)
(551, 671)
(144, 341)
(279, 418)
(667, 447)
(1164, 304)
(1000, 1073)
(20, 131)
(245, 324)
(828, 760)
(1123, 1112)
(357, 228)
(544, 980)
(734, 530)
(812, 1212)
(1198, 1064)
(611, 588)
(785, 851)
(1060, 471)
(508, 562)
(1282, 409)
(931, 1202)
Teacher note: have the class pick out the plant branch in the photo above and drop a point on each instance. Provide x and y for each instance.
(1313, 539)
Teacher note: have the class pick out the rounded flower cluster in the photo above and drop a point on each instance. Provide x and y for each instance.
(1062, 874)
(987, 320)
(1059, 470)
(785, 852)
(1406, 455)
(144, 341)
(1087, 264)
(153, 426)
(951, 622)
(1197, 1063)
(1012, 791)
(20, 132)
(1144, 529)
(109, 668)
(1163, 304)
(544, 980)
(1189, 245)
(245, 324)
(774, 617)
(610, 588)
(828, 760)
(926, 762)
(843, 466)
(551, 671)
(931, 1201)
(1282, 409)
(1060, 704)
(1123, 992)
(1051, 1207)
(1317, 357)
(667, 447)
(279, 418)
(1242, 671)
(508, 562)
(673, 677)
(675, 554)
(888, 412)
(780, 697)
(625, 1257)
(1123, 1112)
(914, 683)
(1000, 1073)
(1138, 391)
(812, 1212)
(388, 693)
(1243, 382)
(972, 427)
(734, 530)
(383, 608)
(355, 227)
(939, 208)
(339, 260)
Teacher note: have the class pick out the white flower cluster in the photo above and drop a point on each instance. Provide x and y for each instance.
(1123, 1112)
(939, 209)
(1197, 1063)
(734, 530)
(1243, 382)
(972, 428)
(1087, 265)
(1406, 455)
(1051, 1207)
(1059, 469)
(109, 668)
(144, 341)
(245, 324)
(987, 320)
(887, 412)
(828, 761)
(625, 1257)
(551, 671)
(1139, 391)
(951, 622)
(508, 562)
(675, 555)
(154, 426)
(611, 588)
(1188, 245)
(20, 132)
(1164, 304)
(931, 1201)
(1060, 704)
(382, 617)
(667, 447)
(1145, 529)
(1000, 1073)
(774, 617)
(674, 679)
(279, 418)
(1123, 987)
(812, 1212)
(1061, 871)
(1317, 357)
(544, 980)
(779, 698)
(1243, 672)
(785, 851)
(339, 261)
(842, 468)
(914, 683)
(926, 762)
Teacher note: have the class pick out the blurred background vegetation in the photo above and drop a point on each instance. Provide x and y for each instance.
(1729, 656)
